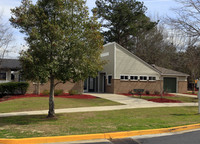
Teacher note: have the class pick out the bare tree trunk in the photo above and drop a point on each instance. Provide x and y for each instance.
(38, 88)
(51, 99)
(6, 37)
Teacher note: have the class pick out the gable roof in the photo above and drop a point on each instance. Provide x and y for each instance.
(13, 64)
(169, 72)
(162, 71)
(131, 54)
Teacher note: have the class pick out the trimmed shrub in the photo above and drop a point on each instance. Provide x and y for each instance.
(73, 92)
(131, 92)
(58, 92)
(13, 88)
(22, 87)
(147, 92)
(45, 92)
(156, 92)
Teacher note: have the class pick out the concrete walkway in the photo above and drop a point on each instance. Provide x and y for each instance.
(186, 95)
(128, 103)
(122, 99)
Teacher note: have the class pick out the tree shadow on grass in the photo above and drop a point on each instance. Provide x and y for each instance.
(185, 114)
(26, 120)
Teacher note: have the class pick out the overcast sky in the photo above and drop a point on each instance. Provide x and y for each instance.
(159, 8)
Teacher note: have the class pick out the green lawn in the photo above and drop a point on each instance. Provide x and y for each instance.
(41, 103)
(180, 98)
(97, 122)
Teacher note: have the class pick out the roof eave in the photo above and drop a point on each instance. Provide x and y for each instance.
(185, 75)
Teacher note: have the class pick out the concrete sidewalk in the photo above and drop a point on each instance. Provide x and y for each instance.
(186, 95)
(128, 103)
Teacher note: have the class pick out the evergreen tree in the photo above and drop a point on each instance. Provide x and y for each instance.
(122, 20)
(64, 42)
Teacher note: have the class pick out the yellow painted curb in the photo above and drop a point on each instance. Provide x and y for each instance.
(97, 136)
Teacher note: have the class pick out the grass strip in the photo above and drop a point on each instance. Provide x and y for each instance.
(42, 103)
(97, 122)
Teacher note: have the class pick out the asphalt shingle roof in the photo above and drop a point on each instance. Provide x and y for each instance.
(169, 72)
(13, 64)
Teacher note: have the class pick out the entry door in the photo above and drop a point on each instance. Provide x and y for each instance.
(170, 85)
(91, 84)
(102, 82)
(86, 85)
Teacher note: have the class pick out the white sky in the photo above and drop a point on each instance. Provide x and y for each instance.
(159, 8)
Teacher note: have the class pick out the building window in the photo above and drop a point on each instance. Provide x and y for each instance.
(133, 78)
(2, 76)
(109, 79)
(12, 77)
(143, 78)
(124, 77)
(152, 78)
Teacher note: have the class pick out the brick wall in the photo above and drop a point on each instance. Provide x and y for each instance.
(46, 86)
(126, 86)
(182, 86)
(110, 88)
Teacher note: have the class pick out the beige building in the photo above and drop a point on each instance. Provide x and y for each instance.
(125, 72)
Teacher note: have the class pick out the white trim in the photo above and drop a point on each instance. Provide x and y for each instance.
(105, 54)
(35, 83)
(134, 76)
(111, 79)
(8, 75)
(2, 81)
(143, 76)
(124, 76)
(115, 61)
(165, 75)
(110, 43)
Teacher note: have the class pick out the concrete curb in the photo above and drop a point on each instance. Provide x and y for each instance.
(97, 136)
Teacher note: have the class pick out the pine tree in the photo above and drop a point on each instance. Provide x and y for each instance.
(122, 20)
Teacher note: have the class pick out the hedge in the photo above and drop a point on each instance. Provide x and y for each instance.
(13, 88)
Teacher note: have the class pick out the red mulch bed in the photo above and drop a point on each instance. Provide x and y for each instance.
(164, 100)
(66, 95)
(147, 95)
